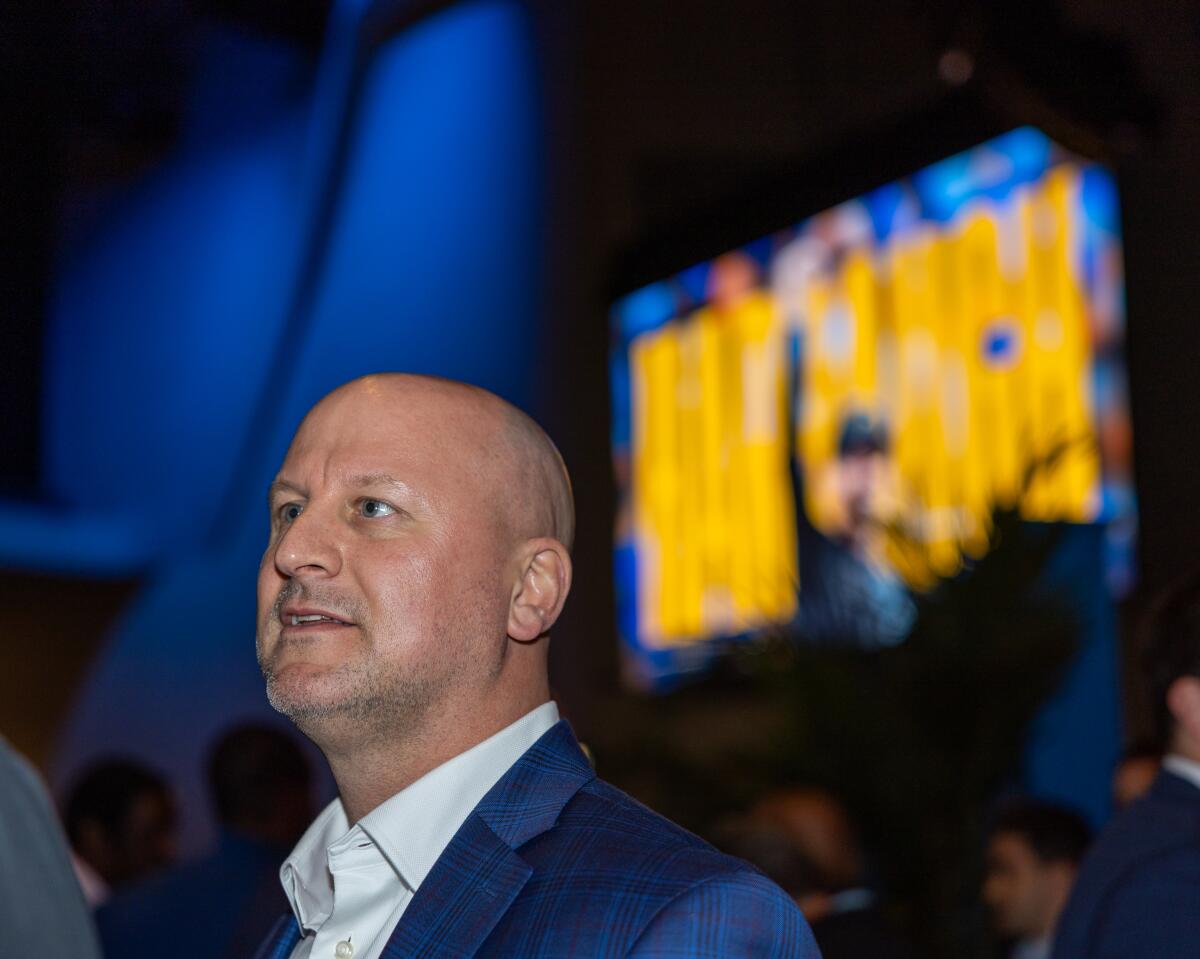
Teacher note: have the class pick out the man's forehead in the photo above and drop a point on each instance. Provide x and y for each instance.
(442, 435)
(377, 454)
(375, 405)
(356, 433)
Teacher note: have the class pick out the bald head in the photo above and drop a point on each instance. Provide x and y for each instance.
(519, 472)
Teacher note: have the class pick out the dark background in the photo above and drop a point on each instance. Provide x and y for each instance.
(674, 131)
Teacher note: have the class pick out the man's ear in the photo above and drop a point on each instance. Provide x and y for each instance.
(1183, 700)
(539, 594)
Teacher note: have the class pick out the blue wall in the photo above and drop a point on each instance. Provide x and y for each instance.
(384, 216)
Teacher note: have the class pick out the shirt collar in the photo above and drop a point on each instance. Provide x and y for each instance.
(413, 827)
(305, 875)
(1184, 768)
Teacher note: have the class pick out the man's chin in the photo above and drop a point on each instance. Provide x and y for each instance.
(308, 698)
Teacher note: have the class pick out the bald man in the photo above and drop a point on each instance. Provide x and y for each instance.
(419, 556)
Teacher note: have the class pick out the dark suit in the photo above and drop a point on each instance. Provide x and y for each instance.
(555, 862)
(1138, 892)
(858, 934)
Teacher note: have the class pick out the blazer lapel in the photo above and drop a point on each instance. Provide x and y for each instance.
(479, 874)
(472, 885)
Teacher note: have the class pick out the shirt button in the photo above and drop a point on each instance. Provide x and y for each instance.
(343, 950)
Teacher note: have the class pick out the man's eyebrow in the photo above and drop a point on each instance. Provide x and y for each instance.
(368, 480)
(380, 482)
(281, 486)
(359, 481)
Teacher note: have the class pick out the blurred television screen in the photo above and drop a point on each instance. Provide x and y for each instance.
(812, 429)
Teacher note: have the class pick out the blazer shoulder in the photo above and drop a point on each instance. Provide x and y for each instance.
(1152, 910)
(621, 820)
(742, 915)
(1135, 895)
(611, 878)
(1152, 826)
(608, 839)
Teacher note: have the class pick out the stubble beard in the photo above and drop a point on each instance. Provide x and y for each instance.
(371, 699)
(364, 698)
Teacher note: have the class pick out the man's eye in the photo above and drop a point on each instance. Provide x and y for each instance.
(289, 511)
(374, 508)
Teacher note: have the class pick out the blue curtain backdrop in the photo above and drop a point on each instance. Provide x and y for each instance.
(380, 214)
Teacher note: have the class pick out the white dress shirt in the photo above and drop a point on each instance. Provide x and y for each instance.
(1184, 768)
(349, 885)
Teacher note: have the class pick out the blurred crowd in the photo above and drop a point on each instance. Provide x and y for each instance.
(1050, 888)
(119, 819)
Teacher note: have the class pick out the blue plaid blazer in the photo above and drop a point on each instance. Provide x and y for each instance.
(1138, 892)
(554, 862)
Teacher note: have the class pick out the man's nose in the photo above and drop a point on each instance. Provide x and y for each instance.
(308, 547)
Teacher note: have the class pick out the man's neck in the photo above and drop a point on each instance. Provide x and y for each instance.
(372, 769)
(1185, 747)
(369, 776)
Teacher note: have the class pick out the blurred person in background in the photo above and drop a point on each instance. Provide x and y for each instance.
(1138, 893)
(121, 821)
(1136, 771)
(42, 910)
(805, 840)
(851, 594)
(261, 787)
(1033, 853)
(771, 849)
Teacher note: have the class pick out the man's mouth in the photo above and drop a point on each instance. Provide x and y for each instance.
(310, 618)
